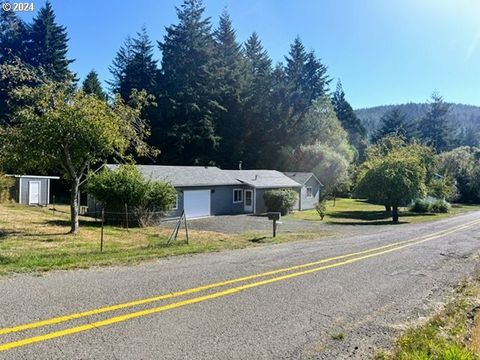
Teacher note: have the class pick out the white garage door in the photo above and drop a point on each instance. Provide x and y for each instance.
(196, 203)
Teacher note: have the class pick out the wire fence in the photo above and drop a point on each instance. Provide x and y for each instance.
(137, 218)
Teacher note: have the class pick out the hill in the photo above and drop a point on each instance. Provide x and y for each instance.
(462, 116)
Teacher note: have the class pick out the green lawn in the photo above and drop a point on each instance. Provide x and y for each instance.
(360, 212)
(36, 239)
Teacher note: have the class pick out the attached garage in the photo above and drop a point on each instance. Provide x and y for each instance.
(197, 203)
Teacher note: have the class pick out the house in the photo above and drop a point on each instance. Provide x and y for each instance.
(32, 189)
(309, 195)
(207, 190)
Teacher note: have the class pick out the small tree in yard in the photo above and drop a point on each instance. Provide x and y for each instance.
(394, 174)
(69, 131)
(126, 185)
(280, 200)
(321, 208)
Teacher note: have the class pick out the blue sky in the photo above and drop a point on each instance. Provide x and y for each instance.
(384, 51)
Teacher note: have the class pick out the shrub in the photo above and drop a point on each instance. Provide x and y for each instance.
(6, 184)
(440, 206)
(146, 199)
(321, 208)
(280, 200)
(421, 206)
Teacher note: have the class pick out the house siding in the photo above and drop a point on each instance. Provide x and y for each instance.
(221, 201)
(307, 203)
(23, 186)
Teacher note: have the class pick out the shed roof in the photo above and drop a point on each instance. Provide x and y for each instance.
(34, 176)
(184, 176)
(301, 177)
(263, 178)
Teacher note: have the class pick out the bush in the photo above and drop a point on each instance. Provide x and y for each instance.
(280, 200)
(146, 199)
(440, 206)
(321, 208)
(421, 206)
(6, 184)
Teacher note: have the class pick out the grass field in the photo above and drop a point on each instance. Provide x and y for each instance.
(360, 212)
(451, 334)
(36, 239)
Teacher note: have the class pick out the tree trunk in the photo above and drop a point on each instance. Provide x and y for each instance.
(388, 208)
(395, 214)
(74, 206)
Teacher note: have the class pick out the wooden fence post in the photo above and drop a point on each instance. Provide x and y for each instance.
(101, 233)
(126, 215)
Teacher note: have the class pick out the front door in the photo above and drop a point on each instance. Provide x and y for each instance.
(34, 192)
(248, 202)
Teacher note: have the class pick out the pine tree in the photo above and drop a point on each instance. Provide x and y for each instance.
(350, 122)
(13, 37)
(134, 67)
(91, 85)
(304, 80)
(48, 45)
(258, 104)
(12, 50)
(189, 89)
(118, 69)
(434, 127)
(306, 77)
(393, 122)
(230, 71)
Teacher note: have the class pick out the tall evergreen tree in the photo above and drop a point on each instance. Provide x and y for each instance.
(134, 66)
(48, 45)
(189, 96)
(230, 71)
(13, 37)
(306, 77)
(257, 108)
(393, 122)
(434, 127)
(350, 122)
(91, 85)
(12, 50)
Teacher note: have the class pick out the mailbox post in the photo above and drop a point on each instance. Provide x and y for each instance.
(274, 216)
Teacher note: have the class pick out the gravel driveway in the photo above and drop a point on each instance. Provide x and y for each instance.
(238, 224)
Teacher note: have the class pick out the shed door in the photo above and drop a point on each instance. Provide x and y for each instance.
(34, 192)
(196, 203)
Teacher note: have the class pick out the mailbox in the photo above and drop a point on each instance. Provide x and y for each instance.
(274, 216)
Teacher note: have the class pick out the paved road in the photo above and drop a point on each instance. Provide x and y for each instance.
(289, 314)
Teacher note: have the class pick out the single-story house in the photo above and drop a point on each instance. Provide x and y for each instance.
(310, 192)
(207, 190)
(32, 189)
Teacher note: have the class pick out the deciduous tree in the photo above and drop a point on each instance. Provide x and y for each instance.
(57, 129)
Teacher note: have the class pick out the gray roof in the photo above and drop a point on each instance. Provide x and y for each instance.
(263, 178)
(183, 176)
(301, 177)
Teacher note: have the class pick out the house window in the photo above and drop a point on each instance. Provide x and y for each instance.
(237, 195)
(175, 207)
(309, 192)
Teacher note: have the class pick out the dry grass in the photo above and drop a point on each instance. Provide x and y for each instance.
(36, 239)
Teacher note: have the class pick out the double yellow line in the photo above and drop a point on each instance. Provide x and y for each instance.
(269, 275)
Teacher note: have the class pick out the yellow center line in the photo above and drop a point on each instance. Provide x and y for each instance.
(74, 316)
(230, 291)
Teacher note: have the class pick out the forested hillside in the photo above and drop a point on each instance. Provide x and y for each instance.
(462, 116)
